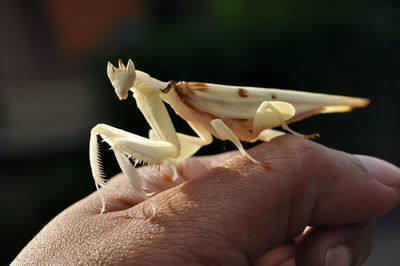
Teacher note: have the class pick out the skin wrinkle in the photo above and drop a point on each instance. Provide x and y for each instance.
(187, 189)
(201, 223)
(209, 227)
(195, 251)
(171, 250)
(174, 240)
(176, 205)
(103, 241)
(381, 170)
(154, 234)
(214, 251)
(162, 243)
(291, 188)
(311, 196)
(357, 162)
(328, 178)
(241, 216)
(301, 148)
(217, 234)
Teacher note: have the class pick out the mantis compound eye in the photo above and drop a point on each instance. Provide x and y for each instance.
(122, 78)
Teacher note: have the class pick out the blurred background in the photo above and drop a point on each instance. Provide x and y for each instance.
(54, 87)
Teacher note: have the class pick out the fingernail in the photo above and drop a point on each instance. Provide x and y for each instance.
(384, 172)
(338, 256)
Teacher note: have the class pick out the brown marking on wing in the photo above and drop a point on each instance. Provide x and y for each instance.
(242, 93)
(184, 91)
(187, 96)
(201, 89)
(273, 96)
(170, 85)
(197, 86)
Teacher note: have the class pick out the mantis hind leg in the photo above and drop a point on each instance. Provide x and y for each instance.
(268, 115)
(189, 146)
(274, 113)
(268, 134)
(225, 133)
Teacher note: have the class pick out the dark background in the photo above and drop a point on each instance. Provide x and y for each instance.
(54, 87)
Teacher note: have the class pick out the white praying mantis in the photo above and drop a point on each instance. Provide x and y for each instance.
(233, 113)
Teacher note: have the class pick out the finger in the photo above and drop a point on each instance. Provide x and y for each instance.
(341, 245)
(260, 208)
(278, 256)
(381, 170)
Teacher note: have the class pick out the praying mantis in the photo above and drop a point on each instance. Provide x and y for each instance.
(233, 113)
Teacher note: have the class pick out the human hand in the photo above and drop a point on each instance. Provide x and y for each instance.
(231, 212)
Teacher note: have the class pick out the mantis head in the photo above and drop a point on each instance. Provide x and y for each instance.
(122, 78)
(126, 78)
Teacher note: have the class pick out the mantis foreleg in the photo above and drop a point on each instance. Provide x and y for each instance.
(127, 145)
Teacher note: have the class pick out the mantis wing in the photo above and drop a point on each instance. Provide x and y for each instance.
(242, 102)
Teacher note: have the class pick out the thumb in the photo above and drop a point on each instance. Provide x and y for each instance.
(242, 208)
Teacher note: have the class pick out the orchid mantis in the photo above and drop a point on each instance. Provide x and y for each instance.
(233, 113)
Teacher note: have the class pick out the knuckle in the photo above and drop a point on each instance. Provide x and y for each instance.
(295, 152)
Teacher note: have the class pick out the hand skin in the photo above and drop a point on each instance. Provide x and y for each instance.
(230, 211)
